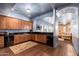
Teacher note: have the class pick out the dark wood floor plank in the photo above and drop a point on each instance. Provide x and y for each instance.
(65, 48)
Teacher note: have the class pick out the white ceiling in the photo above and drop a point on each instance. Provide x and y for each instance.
(37, 9)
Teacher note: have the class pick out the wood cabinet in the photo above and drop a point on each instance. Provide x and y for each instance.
(19, 24)
(3, 22)
(21, 38)
(12, 23)
(34, 37)
(26, 25)
(1, 41)
(39, 38)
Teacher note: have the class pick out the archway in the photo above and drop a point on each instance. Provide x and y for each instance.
(66, 18)
(69, 15)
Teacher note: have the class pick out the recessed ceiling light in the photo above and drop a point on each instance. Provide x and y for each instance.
(12, 9)
(28, 10)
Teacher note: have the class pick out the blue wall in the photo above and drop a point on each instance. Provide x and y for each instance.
(39, 20)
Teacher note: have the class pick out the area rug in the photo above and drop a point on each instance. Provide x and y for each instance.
(22, 47)
(60, 39)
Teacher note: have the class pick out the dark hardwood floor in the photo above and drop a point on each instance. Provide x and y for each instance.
(65, 48)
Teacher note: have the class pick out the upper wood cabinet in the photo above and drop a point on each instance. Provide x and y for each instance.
(12, 23)
(27, 25)
(3, 22)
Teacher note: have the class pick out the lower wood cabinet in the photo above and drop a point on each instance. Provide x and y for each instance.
(34, 37)
(21, 38)
(1, 41)
(40, 38)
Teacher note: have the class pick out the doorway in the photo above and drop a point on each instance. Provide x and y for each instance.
(66, 18)
(65, 27)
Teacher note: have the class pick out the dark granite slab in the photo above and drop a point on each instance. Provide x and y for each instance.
(11, 34)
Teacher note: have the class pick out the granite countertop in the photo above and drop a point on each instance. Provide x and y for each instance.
(2, 34)
(32, 33)
(11, 34)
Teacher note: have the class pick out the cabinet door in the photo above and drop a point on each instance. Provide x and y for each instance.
(12, 23)
(29, 25)
(26, 25)
(3, 22)
(1, 41)
(41, 38)
(27, 37)
(20, 24)
(21, 38)
(18, 39)
(33, 37)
